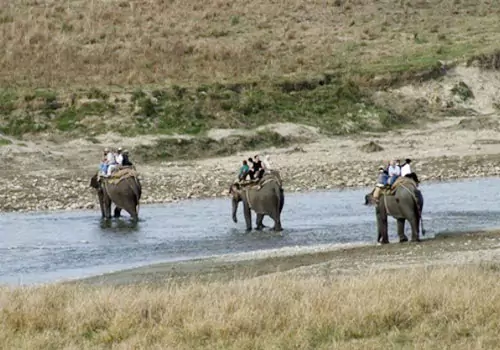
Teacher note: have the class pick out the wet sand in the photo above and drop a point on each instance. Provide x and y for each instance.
(446, 248)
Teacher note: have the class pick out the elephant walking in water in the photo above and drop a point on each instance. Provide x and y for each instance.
(265, 198)
(123, 189)
(406, 203)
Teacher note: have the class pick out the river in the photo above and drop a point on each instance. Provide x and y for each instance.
(47, 247)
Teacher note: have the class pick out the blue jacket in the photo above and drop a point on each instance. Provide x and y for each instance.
(383, 178)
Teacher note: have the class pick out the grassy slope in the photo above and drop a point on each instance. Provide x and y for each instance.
(438, 308)
(129, 43)
(138, 67)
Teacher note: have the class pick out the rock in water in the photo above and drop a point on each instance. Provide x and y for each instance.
(371, 147)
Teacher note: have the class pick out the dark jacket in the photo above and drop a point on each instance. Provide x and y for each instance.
(126, 161)
(257, 166)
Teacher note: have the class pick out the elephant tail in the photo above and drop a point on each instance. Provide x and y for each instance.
(420, 209)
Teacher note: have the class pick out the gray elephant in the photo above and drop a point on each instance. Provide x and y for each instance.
(124, 191)
(265, 198)
(406, 203)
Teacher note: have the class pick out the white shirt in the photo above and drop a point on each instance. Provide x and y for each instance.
(405, 169)
(266, 164)
(119, 158)
(394, 170)
(110, 157)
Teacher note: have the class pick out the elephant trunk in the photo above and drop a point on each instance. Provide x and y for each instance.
(235, 209)
(368, 199)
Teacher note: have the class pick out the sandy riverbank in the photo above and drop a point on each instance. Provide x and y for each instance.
(437, 294)
(44, 176)
(446, 249)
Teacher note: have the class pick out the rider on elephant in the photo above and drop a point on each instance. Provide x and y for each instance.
(126, 161)
(394, 172)
(405, 168)
(266, 164)
(382, 180)
(257, 167)
(243, 171)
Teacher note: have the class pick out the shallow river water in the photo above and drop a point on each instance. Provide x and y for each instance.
(46, 247)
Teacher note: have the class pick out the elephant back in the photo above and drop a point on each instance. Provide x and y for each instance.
(404, 182)
(270, 177)
(258, 184)
(273, 175)
(121, 174)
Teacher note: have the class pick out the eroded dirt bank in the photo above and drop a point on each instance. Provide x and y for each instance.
(40, 174)
(54, 177)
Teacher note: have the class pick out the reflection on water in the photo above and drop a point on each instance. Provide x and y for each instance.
(122, 225)
(40, 247)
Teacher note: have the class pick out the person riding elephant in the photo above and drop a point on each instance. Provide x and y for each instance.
(265, 198)
(123, 189)
(406, 203)
(382, 180)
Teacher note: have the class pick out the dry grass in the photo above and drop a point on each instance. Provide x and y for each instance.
(105, 42)
(440, 308)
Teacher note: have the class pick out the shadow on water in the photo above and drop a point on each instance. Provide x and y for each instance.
(39, 247)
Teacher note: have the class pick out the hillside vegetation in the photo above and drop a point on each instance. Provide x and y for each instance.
(424, 308)
(156, 66)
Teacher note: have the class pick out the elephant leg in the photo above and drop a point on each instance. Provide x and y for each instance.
(276, 216)
(401, 231)
(132, 210)
(383, 236)
(102, 205)
(277, 219)
(412, 215)
(248, 215)
(414, 229)
(277, 224)
(117, 212)
(100, 197)
(107, 207)
(259, 223)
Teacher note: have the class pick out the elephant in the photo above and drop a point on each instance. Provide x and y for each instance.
(406, 203)
(125, 194)
(265, 199)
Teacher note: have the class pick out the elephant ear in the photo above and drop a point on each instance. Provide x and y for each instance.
(236, 186)
(94, 182)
